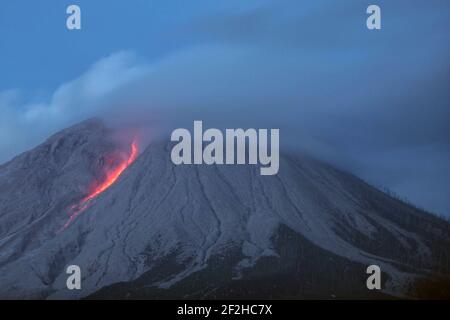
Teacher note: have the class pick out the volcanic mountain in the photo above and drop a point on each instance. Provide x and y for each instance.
(145, 228)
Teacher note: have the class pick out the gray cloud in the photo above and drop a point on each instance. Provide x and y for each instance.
(374, 104)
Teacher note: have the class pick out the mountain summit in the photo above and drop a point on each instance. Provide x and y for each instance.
(166, 231)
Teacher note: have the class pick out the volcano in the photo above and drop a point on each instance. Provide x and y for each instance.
(155, 230)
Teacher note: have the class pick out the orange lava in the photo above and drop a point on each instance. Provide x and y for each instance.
(113, 175)
(111, 178)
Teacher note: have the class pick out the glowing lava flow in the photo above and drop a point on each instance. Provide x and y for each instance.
(111, 178)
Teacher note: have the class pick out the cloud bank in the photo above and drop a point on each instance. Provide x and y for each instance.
(376, 104)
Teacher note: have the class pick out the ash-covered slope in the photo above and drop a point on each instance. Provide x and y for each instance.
(203, 231)
(37, 186)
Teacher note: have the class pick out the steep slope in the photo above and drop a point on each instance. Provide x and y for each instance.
(38, 185)
(203, 231)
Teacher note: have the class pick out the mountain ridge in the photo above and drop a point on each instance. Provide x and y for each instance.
(171, 224)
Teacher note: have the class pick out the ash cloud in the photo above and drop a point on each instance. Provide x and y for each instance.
(376, 104)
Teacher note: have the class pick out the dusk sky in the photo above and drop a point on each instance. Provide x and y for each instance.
(376, 103)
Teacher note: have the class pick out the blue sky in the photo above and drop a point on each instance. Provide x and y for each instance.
(376, 103)
(38, 52)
